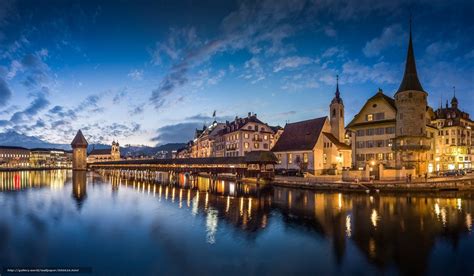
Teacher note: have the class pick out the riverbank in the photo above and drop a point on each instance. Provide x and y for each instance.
(431, 185)
(33, 169)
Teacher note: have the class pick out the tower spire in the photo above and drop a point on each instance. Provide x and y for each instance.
(337, 87)
(410, 77)
(454, 100)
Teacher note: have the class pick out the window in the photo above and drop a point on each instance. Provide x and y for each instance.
(305, 158)
(379, 131)
(256, 128)
(390, 156)
(379, 116)
(256, 145)
(325, 158)
(379, 156)
(246, 135)
(369, 144)
(370, 132)
(290, 158)
(360, 132)
(265, 137)
(370, 117)
(334, 112)
(265, 146)
(246, 145)
(389, 130)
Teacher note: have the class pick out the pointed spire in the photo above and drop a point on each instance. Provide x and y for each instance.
(454, 100)
(337, 97)
(79, 140)
(410, 77)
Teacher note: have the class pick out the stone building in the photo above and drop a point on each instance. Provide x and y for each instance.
(315, 146)
(455, 138)
(404, 133)
(79, 152)
(14, 157)
(234, 138)
(110, 154)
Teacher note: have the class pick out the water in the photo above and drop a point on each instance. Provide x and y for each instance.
(125, 227)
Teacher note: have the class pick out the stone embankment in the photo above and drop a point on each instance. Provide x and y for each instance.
(421, 185)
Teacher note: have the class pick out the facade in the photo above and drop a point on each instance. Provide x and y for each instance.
(454, 139)
(315, 146)
(48, 158)
(404, 133)
(14, 157)
(99, 155)
(79, 152)
(234, 138)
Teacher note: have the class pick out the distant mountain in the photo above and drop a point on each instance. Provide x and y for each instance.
(12, 138)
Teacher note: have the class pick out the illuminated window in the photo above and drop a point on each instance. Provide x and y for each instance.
(370, 117)
(305, 158)
(290, 158)
(246, 135)
(246, 145)
(265, 137)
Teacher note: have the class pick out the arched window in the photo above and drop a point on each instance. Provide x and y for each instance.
(334, 112)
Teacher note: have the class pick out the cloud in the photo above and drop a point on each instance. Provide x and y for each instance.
(382, 72)
(440, 47)
(120, 95)
(334, 51)
(136, 74)
(177, 133)
(37, 71)
(291, 62)
(251, 24)
(391, 36)
(136, 111)
(330, 31)
(5, 92)
(253, 70)
(38, 104)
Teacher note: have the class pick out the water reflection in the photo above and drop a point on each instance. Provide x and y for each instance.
(359, 233)
(79, 188)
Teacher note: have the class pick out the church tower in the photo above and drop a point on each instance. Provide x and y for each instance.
(79, 152)
(411, 142)
(115, 150)
(336, 112)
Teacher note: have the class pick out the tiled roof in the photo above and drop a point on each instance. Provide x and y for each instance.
(336, 142)
(410, 77)
(300, 135)
(378, 95)
(79, 140)
(100, 152)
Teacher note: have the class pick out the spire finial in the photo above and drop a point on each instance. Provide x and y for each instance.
(337, 87)
(454, 91)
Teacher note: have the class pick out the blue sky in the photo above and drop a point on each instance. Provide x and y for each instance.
(151, 72)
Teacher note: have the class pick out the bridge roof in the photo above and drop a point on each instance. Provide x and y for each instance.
(262, 157)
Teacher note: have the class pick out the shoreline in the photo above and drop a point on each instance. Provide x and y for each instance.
(33, 169)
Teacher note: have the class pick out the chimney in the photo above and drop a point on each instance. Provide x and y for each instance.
(250, 114)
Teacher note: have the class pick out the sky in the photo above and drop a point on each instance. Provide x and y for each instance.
(151, 72)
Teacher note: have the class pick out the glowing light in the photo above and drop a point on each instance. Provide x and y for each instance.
(211, 225)
(348, 226)
(469, 222)
(459, 204)
(374, 218)
(437, 209)
(339, 201)
(227, 206)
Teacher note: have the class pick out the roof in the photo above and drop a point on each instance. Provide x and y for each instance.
(251, 157)
(378, 95)
(259, 156)
(100, 152)
(238, 123)
(337, 97)
(79, 140)
(410, 77)
(49, 149)
(336, 142)
(13, 147)
(300, 135)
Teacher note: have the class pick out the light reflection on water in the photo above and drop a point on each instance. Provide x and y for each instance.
(205, 226)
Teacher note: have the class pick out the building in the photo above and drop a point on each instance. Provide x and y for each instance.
(315, 146)
(110, 154)
(232, 138)
(404, 133)
(455, 138)
(79, 152)
(244, 135)
(50, 158)
(14, 157)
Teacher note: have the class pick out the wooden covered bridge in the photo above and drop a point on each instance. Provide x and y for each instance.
(259, 165)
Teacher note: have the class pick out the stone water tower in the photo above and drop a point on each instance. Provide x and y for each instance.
(79, 152)
(411, 142)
